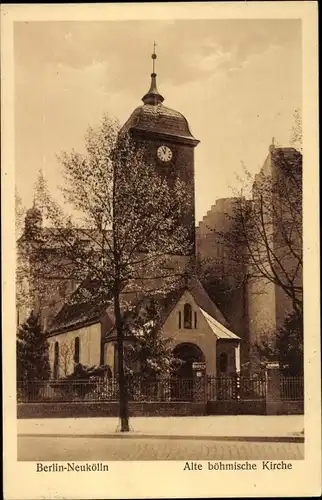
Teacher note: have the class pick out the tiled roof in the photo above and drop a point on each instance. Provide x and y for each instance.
(159, 119)
(204, 301)
(288, 153)
(168, 301)
(219, 330)
(87, 304)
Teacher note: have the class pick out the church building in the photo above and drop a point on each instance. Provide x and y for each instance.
(85, 332)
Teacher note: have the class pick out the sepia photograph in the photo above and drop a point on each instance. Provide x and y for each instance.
(158, 191)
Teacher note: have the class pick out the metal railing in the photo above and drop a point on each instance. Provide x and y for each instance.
(68, 390)
(292, 388)
(212, 388)
(236, 388)
(139, 389)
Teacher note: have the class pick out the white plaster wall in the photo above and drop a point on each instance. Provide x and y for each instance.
(202, 336)
(90, 346)
(229, 349)
(109, 349)
(261, 310)
(260, 292)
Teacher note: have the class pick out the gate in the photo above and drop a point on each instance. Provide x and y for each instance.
(236, 387)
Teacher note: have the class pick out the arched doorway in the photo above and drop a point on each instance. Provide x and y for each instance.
(182, 385)
(188, 353)
(222, 363)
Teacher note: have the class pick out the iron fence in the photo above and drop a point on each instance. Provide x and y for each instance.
(292, 388)
(167, 389)
(236, 388)
(68, 390)
(139, 389)
(252, 387)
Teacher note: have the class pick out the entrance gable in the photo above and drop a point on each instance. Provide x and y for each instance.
(187, 325)
(186, 315)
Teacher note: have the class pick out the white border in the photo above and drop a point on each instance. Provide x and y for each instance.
(167, 479)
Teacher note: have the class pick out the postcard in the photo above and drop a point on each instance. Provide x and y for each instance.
(160, 250)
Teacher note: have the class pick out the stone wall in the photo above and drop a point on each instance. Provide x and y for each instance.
(154, 409)
(254, 407)
(109, 409)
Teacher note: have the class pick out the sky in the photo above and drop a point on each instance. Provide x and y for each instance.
(238, 83)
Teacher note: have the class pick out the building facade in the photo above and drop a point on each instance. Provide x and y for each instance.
(257, 306)
(277, 205)
(215, 327)
(191, 321)
(85, 332)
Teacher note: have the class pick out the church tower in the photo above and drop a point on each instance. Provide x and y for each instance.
(168, 141)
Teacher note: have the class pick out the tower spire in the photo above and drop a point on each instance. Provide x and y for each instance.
(272, 146)
(153, 96)
(154, 56)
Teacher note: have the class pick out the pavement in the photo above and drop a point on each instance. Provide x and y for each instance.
(256, 428)
(80, 448)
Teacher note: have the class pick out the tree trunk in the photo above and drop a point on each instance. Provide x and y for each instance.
(123, 395)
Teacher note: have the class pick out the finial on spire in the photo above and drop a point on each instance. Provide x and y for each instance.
(154, 56)
(272, 146)
(153, 97)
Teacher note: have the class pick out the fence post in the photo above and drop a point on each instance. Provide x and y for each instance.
(199, 381)
(273, 388)
(238, 386)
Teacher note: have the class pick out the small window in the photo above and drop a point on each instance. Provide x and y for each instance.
(223, 362)
(195, 319)
(77, 350)
(179, 319)
(187, 316)
(56, 360)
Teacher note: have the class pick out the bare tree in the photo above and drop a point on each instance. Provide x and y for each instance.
(19, 213)
(118, 231)
(262, 238)
(66, 356)
(296, 132)
(266, 233)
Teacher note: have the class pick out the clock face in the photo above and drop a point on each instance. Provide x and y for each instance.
(164, 153)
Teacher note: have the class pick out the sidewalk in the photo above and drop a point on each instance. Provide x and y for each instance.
(235, 427)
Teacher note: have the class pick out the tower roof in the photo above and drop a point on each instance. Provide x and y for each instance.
(153, 96)
(159, 119)
(155, 118)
